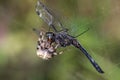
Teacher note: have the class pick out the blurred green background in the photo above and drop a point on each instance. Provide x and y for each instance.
(18, 59)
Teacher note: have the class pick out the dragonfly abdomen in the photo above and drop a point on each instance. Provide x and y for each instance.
(97, 67)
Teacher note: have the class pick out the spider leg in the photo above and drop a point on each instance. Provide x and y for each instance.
(42, 35)
(60, 52)
(39, 33)
(55, 53)
(56, 46)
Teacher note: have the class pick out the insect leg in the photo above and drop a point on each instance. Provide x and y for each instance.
(81, 33)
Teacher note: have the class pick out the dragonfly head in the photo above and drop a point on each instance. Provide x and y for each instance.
(50, 36)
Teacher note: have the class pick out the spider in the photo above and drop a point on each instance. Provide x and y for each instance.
(45, 48)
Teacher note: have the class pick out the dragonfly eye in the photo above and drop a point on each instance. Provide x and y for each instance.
(50, 36)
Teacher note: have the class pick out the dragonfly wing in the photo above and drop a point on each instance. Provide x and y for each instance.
(97, 67)
(48, 16)
(44, 13)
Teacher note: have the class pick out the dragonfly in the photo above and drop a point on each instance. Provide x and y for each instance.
(61, 37)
